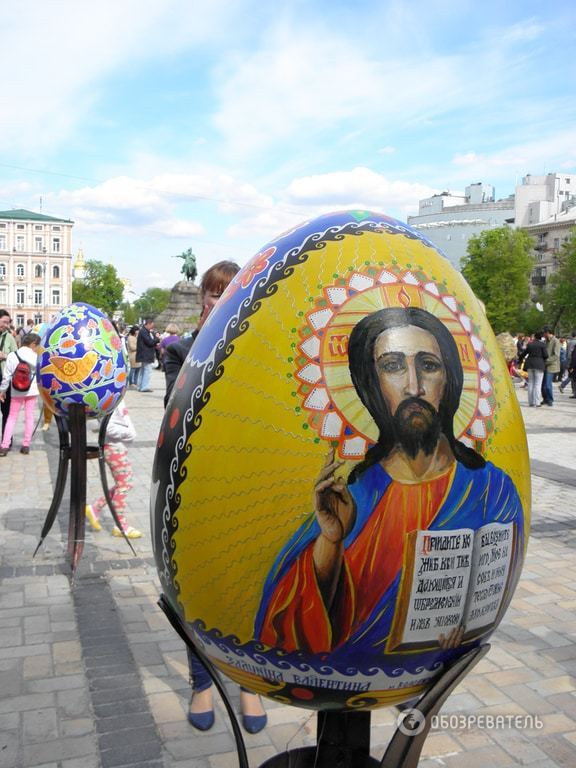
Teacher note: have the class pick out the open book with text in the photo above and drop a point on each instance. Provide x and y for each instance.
(451, 579)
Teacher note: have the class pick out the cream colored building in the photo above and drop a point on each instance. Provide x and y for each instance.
(549, 237)
(35, 265)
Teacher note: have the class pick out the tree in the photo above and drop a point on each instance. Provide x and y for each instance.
(130, 314)
(532, 317)
(497, 267)
(101, 287)
(152, 302)
(561, 296)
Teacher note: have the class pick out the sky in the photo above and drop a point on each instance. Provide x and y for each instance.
(163, 125)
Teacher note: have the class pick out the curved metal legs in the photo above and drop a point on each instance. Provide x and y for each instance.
(404, 748)
(77, 522)
(343, 738)
(73, 449)
(179, 626)
(63, 459)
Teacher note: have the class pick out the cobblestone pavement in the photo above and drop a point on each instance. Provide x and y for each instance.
(92, 675)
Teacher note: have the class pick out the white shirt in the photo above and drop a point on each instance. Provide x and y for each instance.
(29, 356)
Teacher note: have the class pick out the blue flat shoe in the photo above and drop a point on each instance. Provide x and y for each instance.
(202, 721)
(254, 723)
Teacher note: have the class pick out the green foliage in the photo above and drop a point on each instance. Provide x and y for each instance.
(561, 295)
(152, 302)
(129, 313)
(101, 287)
(497, 267)
(531, 319)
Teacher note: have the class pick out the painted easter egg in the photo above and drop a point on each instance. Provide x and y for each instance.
(341, 488)
(81, 360)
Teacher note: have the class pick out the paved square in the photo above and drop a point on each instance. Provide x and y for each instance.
(92, 674)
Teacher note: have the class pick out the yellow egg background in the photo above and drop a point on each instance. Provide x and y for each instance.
(253, 461)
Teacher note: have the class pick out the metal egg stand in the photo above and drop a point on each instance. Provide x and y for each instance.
(343, 737)
(75, 452)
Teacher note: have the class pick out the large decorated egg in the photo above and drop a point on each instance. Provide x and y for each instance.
(341, 488)
(81, 361)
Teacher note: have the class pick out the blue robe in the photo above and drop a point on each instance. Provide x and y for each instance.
(475, 498)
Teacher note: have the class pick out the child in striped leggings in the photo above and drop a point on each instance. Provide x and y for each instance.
(120, 430)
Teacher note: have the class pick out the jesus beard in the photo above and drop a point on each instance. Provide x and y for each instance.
(417, 426)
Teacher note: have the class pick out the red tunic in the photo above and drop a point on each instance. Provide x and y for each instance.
(297, 619)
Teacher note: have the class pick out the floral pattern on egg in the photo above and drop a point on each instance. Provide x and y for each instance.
(81, 360)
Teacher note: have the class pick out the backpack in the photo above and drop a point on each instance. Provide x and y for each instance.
(22, 377)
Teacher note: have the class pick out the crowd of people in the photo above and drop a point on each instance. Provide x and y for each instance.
(145, 349)
(542, 359)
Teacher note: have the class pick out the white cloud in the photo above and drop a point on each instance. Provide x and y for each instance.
(523, 32)
(265, 225)
(154, 204)
(467, 159)
(305, 84)
(305, 81)
(310, 196)
(179, 228)
(12, 192)
(121, 193)
(546, 154)
(55, 56)
(360, 187)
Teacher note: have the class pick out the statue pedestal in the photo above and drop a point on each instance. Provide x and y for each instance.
(184, 307)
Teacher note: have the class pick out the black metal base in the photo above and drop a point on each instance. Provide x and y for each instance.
(342, 741)
(314, 757)
(75, 451)
(343, 738)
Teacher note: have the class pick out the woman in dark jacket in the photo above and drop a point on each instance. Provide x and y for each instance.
(535, 364)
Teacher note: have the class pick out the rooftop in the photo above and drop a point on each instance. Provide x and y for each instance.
(567, 218)
(21, 214)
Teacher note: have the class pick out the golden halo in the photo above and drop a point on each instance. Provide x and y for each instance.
(328, 395)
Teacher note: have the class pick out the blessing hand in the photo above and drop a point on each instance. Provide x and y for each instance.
(333, 504)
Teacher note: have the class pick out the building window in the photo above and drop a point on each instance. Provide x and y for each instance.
(38, 244)
(19, 295)
(3, 243)
(20, 226)
(38, 296)
(3, 296)
(56, 296)
(19, 321)
(20, 270)
(20, 243)
(56, 271)
(2, 270)
(38, 270)
(56, 229)
(55, 245)
(38, 228)
(37, 318)
(556, 243)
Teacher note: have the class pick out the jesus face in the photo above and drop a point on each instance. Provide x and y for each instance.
(409, 364)
(412, 378)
